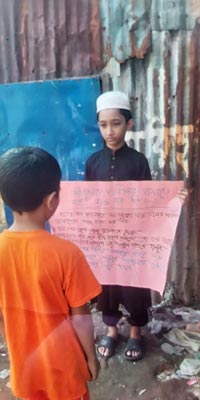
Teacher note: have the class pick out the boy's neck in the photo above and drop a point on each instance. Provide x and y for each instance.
(27, 221)
(115, 148)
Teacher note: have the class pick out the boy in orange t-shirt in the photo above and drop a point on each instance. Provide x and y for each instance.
(45, 286)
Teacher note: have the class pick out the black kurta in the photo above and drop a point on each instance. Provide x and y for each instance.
(125, 164)
(122, 165)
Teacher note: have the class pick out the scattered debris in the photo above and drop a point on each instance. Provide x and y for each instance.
(194, 384)
(189, 340)
(169, 349)
(141, 392)
(168, 296)
(194, 381)
(187, 314)
(5, 373)
(166, 372)
(189, 367)
(166, 376)
(195, 327)
(166, 318)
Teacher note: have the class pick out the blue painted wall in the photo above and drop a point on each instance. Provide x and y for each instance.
(57, 115)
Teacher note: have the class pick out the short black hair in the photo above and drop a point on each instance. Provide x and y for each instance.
(126, 114)
(27, 175)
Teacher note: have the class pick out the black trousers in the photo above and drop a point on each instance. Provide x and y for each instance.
(135, 300)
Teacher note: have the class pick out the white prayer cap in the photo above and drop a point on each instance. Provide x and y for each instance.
(114, 99)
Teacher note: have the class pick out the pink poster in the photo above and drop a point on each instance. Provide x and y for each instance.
(125, 229)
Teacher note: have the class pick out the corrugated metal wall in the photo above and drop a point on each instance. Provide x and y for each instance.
(46, 39)
(163, 83)
(151, 50)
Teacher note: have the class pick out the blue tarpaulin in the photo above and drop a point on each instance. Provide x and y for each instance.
(58, 116)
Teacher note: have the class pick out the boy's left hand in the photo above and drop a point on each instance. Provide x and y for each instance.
(183, 195)
(94, 368)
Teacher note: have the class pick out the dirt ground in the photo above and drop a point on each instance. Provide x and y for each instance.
(123, 380)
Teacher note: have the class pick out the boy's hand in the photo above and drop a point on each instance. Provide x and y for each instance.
(94, 368)
(183, 195)
(83, 325)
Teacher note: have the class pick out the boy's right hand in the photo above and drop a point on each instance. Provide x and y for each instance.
(94, 368)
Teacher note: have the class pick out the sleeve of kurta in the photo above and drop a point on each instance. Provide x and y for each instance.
(146, 173)
(88, 171)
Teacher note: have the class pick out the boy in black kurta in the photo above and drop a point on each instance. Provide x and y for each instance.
(116, 161)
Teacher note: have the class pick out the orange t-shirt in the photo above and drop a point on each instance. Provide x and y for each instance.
(41, 278)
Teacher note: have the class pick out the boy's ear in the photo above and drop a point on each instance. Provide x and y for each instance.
(130, 124)
(52, 200)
